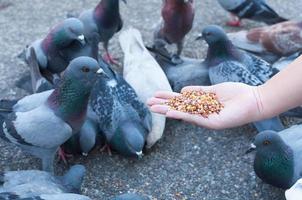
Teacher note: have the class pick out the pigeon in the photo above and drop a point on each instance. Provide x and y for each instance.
(130, 196)
(51, 51)
(122, 117)
(88, 137)
(228, 64)
(43, 126)
(278, 156)
(63, 196)
(102, 23)
(30, 183)
(256, 10)
(176, 23)
(189, 72)
(145, 75)
(271, 42)
(295, 192)
(283, 62)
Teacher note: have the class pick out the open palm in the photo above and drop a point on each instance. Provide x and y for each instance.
(241, 105)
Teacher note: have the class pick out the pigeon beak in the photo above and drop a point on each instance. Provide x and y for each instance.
(252, 148)
(139, 154)
(101, 72)
(200, 37)
(85, 154)
(125, 1)
(81, 39)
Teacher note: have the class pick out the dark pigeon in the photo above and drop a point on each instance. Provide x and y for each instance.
(228, 64)
(102, 23)
(278, 158)
(177, 21)
(122, 117)
(189, 72)
(256, 10)
(38, 126)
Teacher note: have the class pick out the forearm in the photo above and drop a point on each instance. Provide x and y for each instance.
(282, 92)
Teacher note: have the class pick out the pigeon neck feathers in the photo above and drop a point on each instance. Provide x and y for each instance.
(221, 51)
(107, 13)
(69, 101)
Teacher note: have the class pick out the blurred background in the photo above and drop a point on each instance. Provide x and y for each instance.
(189, 162)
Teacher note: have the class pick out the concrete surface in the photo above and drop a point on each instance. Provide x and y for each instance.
(189, 162)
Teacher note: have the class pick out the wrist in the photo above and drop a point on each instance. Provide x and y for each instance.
(259, 107)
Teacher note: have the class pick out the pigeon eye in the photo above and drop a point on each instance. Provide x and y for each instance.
(208, 34)
(85, 69)
(266, 142)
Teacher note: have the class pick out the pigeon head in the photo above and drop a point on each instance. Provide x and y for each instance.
(129, 139)
(213, 34)
(73, 179)
(84, 70)
(274, 159)
(70, 98)
(64, 34)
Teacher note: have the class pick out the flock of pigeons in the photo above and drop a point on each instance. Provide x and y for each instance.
(78, 102)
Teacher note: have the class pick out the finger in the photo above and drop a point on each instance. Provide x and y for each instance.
(193, 119)
(156, 101)
(160, 109)
(197, 88)
(166, 94)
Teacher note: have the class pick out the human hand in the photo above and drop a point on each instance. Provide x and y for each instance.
(241, 102)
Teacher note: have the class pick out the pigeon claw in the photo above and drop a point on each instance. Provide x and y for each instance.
(107, 148)
(63, 156)
(109, 59)
(234, 23)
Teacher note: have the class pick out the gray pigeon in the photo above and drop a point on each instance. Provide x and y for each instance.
(42, 127)
(102, 23)
(189, 72)
(29, 183)
(122, 117)
(228, 64)
(51, 51)
(48, 58)
(257, 10)
(130, 196)
(63, 196)
(278, 158)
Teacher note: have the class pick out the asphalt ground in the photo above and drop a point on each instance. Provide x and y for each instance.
(189, 162)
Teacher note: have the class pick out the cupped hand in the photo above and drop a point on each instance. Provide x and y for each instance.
(241, 105)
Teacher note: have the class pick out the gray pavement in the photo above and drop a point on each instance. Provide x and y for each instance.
(189, 162)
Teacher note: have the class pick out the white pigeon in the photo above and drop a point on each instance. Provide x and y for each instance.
(145, 75)
(295, 192)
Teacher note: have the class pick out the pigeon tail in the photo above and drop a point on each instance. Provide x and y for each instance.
(131, 42)
(24, 83)
(73, 179)
(275, 20)
(6, 106)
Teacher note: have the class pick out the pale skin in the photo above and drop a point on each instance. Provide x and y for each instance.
(242, 103)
